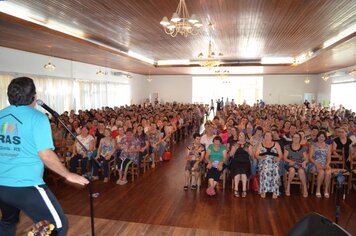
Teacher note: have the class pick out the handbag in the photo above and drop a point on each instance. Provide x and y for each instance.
(166, 156)
(255, 183)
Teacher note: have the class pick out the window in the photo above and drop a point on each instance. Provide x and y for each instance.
(239, 88)
(344, 94)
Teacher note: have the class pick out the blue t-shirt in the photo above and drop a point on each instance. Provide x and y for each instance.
(24, 131)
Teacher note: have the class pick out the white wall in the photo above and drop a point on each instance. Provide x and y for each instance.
(276, 88)
(139, 91)
(172, 88)
(285, 89)
(324, 91)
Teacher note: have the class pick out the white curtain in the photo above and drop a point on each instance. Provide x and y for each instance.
(97, 95)
(56, 93)
(66, 94)
(4, 83)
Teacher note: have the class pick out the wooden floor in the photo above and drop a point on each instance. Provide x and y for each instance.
(158, 198)
(81, 227)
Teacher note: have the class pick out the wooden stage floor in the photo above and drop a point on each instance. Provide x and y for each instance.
(157, 198)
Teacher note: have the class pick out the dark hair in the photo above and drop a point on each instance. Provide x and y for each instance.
(314, 127)
(275, 130)
(284, 124)
(294, 125)
(259, 128)
(21, 91)
(129, 130)
(217, 137)
(320, 133)
(195, 135)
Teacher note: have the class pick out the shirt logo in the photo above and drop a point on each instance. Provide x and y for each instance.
(9, 135)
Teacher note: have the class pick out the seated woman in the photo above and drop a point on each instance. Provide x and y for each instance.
(208, 136)
(295, 157)
(233, 139)
(240, 168)
(144, 144)
(341, 146)
(79, 153)
(105, 154)
(320, 157)
(130, 147)
(304, 141)
(268, 154)
(155, 139)
(216, 155)
(195, 154)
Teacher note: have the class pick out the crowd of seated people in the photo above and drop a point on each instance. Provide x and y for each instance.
(126, 135)
(272, 142)
(276, 143)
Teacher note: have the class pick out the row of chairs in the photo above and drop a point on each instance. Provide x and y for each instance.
(337, 165)
(134, 169)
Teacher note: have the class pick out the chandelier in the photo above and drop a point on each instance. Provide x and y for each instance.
(353, 73)
(181, 22)
(222, 74)
(49, 66)
(149, 79)
(211, 59)
(100, 72)
(307, 80)
(325, 77)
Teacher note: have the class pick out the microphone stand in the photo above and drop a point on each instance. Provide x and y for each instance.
(339, 191)
(88, 175)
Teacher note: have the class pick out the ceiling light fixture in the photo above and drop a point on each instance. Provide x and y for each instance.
(352, 73)
(307, 80)
(100, 72)
(303, 57)
(173, 62)
(277, 60)
(343, 34)
(49, 66)
(140, 57)
(222, 74)
(149, 79)
(325, 77)
(211, 60)
(181, 22)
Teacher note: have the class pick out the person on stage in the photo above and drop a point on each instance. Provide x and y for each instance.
(26, 145)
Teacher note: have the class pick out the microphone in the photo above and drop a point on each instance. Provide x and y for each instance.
(47, 108)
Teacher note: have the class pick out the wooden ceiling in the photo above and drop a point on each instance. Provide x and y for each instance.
(243, 30)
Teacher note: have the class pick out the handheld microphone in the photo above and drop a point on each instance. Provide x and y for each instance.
(47, 108)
